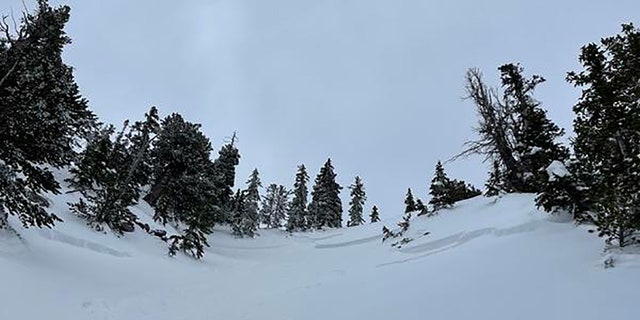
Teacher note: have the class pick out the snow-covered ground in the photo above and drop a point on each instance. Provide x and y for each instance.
(484, 259)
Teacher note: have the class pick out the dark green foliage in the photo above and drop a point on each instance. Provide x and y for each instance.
(237, 211)
(496, 183)
(275, 205)
(356, 205)
(534, 134)
(101, 177)
(607, 140)
(445, 192)
(298, 214)
(404, 224)
(440, 189)
(110, 173)
(420, 207)
(375, 215)
(562, 192)
(41, 113)
(247, 218)
(461, 190)
(410, 204)
(325, 209)
(182, 189)
(224, 168)
(514, 131)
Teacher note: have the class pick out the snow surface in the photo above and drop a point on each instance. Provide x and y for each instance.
(487, 258)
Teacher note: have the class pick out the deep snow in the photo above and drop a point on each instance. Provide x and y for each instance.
(487, 258)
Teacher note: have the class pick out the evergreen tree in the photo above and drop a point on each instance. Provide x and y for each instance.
(182, 189)
(110, 174)
(496, 183)
(440, 189)
(562, 191)
(607, 138)
(534, 133)
(404, 224)
(224, 168)
(445, 192)
(420, 207)
(356, 205)
(325, 208)
(514, 130)
(237, 212)
(249, 219)
(460, 190)
(275, 205)
(298, 209)
(410, 204)
(375, 215)
(41, 114)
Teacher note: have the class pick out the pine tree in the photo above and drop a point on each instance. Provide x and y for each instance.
(325, 209)
(356, 205)
(440, 189)
(182, 189)
(410, 204)
(445, 192)
(562, 191)
(514, 130)
(42, 114)
(496, 184)
(420, 207)
(110, 174)
(275, 205)
(224, 168)
(404, 224)
(460, 190)
(607, 140)
(375, 215)
(249, 219)
(237, 212)
(298, 209)
(533, 131)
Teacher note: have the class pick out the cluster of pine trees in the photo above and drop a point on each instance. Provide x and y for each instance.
(595, 177)
(165, 162)
(168, 162)
(444, 193)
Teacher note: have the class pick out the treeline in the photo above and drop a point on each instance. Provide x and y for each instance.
(165, 162)
(596, 177)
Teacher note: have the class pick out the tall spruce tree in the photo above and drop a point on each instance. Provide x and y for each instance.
(298, 209)
(237, 211)
(440, 189)
(325, 208)
(249, 219)
(356, 205)
(182, 189)
(275, 205)
(41, 113)
(375, 215)
(607, 140)
(410, 203)
(224, 170)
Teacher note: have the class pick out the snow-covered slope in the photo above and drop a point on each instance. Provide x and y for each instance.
(484, 259)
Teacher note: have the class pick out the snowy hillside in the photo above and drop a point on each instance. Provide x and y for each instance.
(485, 259)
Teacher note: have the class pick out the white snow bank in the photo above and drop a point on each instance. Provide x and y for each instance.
(487, 258)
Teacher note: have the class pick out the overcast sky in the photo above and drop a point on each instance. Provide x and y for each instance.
(376, 85)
